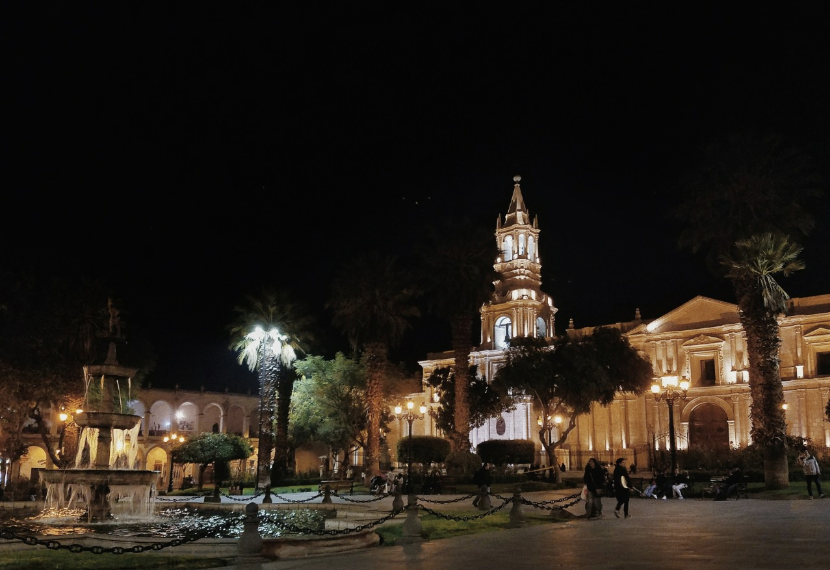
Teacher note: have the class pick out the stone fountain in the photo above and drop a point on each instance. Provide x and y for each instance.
(104, 478)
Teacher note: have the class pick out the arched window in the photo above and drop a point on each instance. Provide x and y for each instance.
(521, 244)
(507, 248)
(502, 332)
(541, 328)
(531, 249)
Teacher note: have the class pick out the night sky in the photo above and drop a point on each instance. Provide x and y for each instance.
(192, 156)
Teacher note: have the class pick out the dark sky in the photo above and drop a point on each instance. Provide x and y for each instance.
(192, 156)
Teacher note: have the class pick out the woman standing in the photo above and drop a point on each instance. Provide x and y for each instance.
(594, 479)
(621, 487)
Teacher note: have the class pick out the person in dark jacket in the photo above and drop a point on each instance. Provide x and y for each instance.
(594, 479)
(483, 478)
(621, 487)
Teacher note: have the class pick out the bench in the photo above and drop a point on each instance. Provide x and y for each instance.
(716, 482)
(337, 486)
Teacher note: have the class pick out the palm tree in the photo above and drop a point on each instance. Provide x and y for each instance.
(760, 300)
(269, 333)
(373, 303)
(745, 186)
(457, 261)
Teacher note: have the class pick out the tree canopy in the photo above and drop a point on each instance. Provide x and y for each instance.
(206, 448)
(567, 377)
(483, 401)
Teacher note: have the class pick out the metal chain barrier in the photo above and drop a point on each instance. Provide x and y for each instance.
(575, 499)
(447, 502)
(182, 499)
(246, 497)
(52, 544)
(350, 500)
(75, 548)
(466, 518)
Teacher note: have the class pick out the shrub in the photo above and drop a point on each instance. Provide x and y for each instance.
(462, 464)
(426, 449)
(506, 451)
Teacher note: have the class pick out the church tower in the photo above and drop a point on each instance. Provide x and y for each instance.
(518, 306)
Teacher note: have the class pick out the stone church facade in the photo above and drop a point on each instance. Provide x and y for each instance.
(701, 341)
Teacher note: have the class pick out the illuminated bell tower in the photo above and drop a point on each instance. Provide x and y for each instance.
(518, 306)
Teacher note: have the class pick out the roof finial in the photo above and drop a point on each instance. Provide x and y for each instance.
(517, 179)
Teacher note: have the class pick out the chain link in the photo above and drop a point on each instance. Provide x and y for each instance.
(52, 544)
(466, 518)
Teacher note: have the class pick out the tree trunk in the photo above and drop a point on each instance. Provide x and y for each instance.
(285, 387)
(776, 468)
(769, 427)
(375, 371)
(269, 368)
(461, 349)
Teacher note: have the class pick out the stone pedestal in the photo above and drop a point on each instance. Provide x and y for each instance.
(517, 517)
(412, 524)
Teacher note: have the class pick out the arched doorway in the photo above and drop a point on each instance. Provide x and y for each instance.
(708, 427)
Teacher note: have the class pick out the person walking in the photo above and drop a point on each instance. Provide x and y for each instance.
(621, 487)
(812, 472)
(594, 479)
(482, 478)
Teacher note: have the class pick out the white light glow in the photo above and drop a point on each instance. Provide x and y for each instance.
(799, 371)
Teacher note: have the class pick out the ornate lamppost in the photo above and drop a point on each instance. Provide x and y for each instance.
(548, 423)
(669, 391)
(172, 441)
(410, 416)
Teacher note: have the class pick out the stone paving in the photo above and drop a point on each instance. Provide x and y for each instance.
(664, 535)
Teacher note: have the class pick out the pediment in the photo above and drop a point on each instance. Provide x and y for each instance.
(703, 339)
(819, 334)
(698, 313)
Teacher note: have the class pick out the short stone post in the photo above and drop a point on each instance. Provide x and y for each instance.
(327, 495)
(249, 547)
(517, 517)
(397, 502)
(267, 497)
(484, 501)
(412, 525)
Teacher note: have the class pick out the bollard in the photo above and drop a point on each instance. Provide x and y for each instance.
(411, 531)
(249, 547)
(397, 502)
(517, 517)
(484, 501)
(327, 495)
(267, 497)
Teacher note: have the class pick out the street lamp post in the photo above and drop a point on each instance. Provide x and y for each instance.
(410, 416)
(548, 423)
(669, 391)
(172, 441)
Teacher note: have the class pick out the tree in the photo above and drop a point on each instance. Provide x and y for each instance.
(329, 404)
(373, 304)
(212, 448)
(482, 400)
(457, 261)
(761, 299)
(744, 188)
(268, 333)
(570, 375)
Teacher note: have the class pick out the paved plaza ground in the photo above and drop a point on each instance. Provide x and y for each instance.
(661, 535)
(665, 535)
